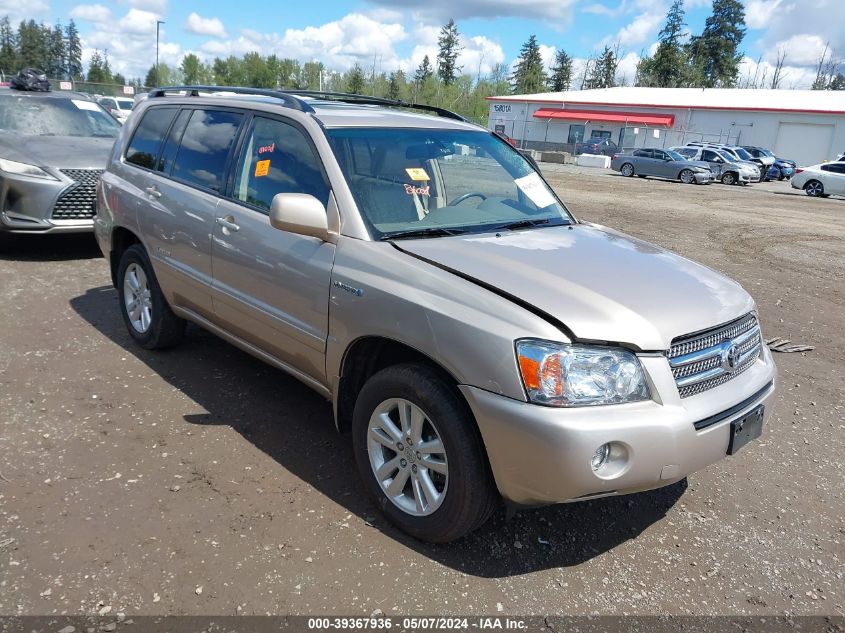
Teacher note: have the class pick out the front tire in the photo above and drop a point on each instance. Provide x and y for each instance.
(627, 170)
(145, 311)
(728, 179)
(420, 455)
(814, 189)
(687, 177)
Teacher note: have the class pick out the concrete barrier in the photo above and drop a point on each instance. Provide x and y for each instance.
(556, 157)
(593, 160)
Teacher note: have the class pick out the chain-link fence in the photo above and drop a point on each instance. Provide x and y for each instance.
(636, 137)
(98, 89)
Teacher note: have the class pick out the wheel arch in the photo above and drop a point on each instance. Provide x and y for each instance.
(121, 239)
(368, 355)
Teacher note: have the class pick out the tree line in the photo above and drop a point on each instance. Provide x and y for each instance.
(710, 59)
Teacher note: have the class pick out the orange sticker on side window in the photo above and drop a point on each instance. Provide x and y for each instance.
(416, 173)
(262, 168)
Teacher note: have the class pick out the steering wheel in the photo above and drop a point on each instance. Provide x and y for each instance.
(467, 196)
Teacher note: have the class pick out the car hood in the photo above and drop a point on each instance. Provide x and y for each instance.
(602, 285)
(58, 152)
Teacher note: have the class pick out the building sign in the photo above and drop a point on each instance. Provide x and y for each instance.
(65, 85)
(129, 90)
(656, 133)
(501, 107)
(500, 128)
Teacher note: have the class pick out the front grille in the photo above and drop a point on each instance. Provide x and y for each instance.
(77, 201)
(708, 359)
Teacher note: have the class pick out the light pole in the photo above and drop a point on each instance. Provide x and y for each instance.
(158, 25)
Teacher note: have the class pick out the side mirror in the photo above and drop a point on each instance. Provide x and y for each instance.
(299, 213)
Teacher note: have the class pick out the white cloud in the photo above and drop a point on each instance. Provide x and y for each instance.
(758, 13)
(156, 6)
(626, 71)
(204, 26)
(641, 29)
(91, 13)
(17, 10)
(548, 55)
(801, 50)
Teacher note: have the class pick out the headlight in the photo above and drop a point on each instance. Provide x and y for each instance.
(24, 169)
(564, 375)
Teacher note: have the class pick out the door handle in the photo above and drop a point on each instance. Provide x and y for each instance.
(228, 223)
(153, 191)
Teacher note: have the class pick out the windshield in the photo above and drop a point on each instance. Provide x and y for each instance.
(742, 153)
(441, 182)
(727, 157)
(766, 152)
(54, 116)
(675, 155)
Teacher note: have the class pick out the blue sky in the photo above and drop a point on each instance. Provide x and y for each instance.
(396, 34)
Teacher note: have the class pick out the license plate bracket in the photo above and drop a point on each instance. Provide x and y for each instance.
(745, 429)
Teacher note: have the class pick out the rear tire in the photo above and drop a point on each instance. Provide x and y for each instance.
(627, 170)
(729, 178)
(145, 311)
(441, 502)
(814, 189)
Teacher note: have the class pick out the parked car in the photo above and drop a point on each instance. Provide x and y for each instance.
(722, 165)
(119, 107)
(53, 147)
(767, 158)
(821, 180)
(602, 146)
(738, 156)
(663, 164)
(527, 355)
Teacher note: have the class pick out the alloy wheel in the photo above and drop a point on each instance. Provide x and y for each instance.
(137, 298)
(814, 188)
(407, 457)
(687, 177)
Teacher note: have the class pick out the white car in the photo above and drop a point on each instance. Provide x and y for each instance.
(821, 180)
(119, 107)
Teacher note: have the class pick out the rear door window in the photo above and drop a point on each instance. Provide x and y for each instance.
(205, 147)
(146, 143)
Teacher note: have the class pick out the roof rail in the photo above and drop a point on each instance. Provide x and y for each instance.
(289, 99)
(365, 100)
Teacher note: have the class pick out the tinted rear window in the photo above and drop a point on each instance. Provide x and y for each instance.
(205, 147)
(149, 135)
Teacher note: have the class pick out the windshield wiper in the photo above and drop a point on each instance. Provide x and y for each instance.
(524, 224)
(427, 232)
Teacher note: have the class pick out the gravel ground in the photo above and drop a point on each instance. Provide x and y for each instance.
(199, 481)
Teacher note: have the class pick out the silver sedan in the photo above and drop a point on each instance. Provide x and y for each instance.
(662, 164)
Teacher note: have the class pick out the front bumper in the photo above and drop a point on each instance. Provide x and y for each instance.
(541, 455)
(703, 178)
(27, 205)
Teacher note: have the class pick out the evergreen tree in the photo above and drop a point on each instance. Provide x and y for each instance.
(393, 91)
(424, 71)
(837, 83)
(119, 79)
(450, 46)
(73, 52)
(96, 68)
(529, 75)
(151, 80)
(32, 46)
(715, 53)
(668, 68)
(56, 53)
(561, 78)
(603, 71)
(8, 48)
(355, 80)
(107, 76)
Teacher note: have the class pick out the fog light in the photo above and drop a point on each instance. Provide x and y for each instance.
(601, 456)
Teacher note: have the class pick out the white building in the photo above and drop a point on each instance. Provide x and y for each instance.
(807, 126)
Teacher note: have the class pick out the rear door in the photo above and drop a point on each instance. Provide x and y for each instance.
(834, 178)
(189, 175)
(271, 287)
(644, 163)
(717, 163)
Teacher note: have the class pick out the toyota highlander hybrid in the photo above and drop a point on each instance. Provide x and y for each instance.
(477, 341)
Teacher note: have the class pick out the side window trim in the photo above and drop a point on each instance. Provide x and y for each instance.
(177, 141)
(234, 159)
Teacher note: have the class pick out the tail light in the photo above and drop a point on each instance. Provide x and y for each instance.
(798, 170)
(615, 156)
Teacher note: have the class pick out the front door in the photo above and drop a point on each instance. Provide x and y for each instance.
(271, 287)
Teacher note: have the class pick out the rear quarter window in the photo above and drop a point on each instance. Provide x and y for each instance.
(146, 142)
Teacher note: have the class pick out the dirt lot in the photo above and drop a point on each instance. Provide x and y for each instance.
(200, 481)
